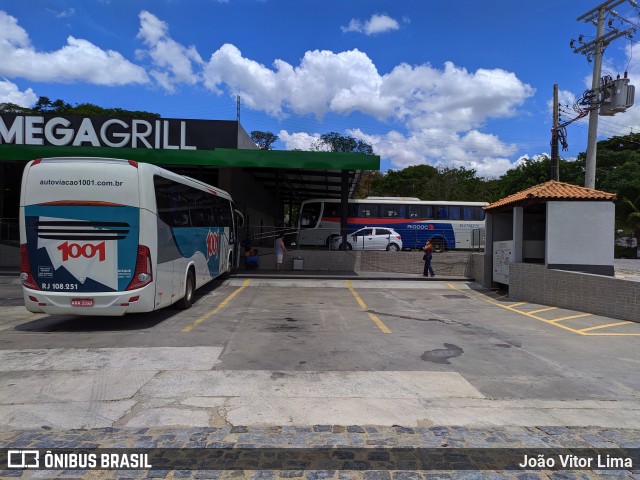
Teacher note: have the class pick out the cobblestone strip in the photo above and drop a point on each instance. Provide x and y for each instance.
(316, 436)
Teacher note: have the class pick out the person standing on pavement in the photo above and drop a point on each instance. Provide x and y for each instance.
(428, 253)
(279, 249)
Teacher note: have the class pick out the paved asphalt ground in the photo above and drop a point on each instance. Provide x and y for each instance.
(277, 376)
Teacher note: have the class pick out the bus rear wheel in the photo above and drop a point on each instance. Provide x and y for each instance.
(438, 245)
(189, 287)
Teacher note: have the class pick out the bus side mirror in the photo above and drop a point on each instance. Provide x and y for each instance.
(239, 218)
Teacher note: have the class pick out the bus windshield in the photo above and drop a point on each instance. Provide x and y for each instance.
(310, 215)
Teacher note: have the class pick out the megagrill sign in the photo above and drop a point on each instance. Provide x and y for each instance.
(117, 132)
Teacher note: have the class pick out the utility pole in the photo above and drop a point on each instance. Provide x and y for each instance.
(592, 139)
(555, 160)
(594, 50)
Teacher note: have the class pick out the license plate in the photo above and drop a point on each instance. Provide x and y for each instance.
(82, 302)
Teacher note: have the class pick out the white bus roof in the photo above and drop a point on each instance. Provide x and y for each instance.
(154, 168)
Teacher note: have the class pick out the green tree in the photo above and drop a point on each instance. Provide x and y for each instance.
(633, 221)
(264, 140)
(618, 171)
(429, 183)
(60, 107)
(409, 182)
(454, 184)
(533, 171)
(13, 108)
(335, 142)
(369, 184)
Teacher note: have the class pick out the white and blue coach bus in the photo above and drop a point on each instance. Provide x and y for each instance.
(102, 236)
(449, 224)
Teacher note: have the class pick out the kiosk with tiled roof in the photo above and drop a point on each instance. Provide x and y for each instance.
(562, 226)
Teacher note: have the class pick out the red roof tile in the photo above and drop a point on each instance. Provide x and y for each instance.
(552, 190)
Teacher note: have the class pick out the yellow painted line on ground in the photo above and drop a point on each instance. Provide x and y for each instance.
(584, 332)
(516, 304)
(526, 314)
(544, 310)
(222, 304)
(605, 326)
(373, 317)
(570, 317)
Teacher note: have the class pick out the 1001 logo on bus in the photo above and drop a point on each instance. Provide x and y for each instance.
(88, 250)
(213, 244)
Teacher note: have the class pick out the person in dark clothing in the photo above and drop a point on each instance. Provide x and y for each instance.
(428, 253)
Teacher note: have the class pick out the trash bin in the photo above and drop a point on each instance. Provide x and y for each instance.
(298, 263)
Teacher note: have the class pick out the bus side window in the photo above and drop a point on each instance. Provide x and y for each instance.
(332, 210)
(413, 211)
(427, 212)
(443, 213)
(454, 213)
(391, 211)
(366, 210)
(201, 217)
(164, 208)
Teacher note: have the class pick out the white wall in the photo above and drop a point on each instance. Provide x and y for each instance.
(580, 233)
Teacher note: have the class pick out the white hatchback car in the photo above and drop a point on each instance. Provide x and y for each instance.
(370, 238)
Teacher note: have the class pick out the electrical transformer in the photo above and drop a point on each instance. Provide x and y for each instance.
(618, 96)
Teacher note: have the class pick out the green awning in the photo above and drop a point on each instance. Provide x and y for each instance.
(220, 157)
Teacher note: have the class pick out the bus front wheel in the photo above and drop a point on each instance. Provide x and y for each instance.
(189, 287)
(227, 271)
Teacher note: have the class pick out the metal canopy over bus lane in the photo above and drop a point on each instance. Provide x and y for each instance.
(581, 323)
(303, 174)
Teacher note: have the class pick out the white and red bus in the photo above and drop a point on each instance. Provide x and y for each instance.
(103, 236)
(451, 225)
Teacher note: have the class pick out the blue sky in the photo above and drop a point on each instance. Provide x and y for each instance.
(464, 83)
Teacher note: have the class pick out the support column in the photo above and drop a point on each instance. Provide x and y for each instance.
(518, 223)
(344, 202)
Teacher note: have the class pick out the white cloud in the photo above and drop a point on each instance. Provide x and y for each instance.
(349, 82)
(378, 23)
(10, 93)
(69, 12)
(298, 141)
(438, 112)
(565, 97)
(79, 60)
(482, 152)
(441, 110)
(12, 33)
(453, 97)
(174, 62)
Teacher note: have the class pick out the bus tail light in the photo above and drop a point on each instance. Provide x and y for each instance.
(131, 300)
(142, 275)
(25, 269)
